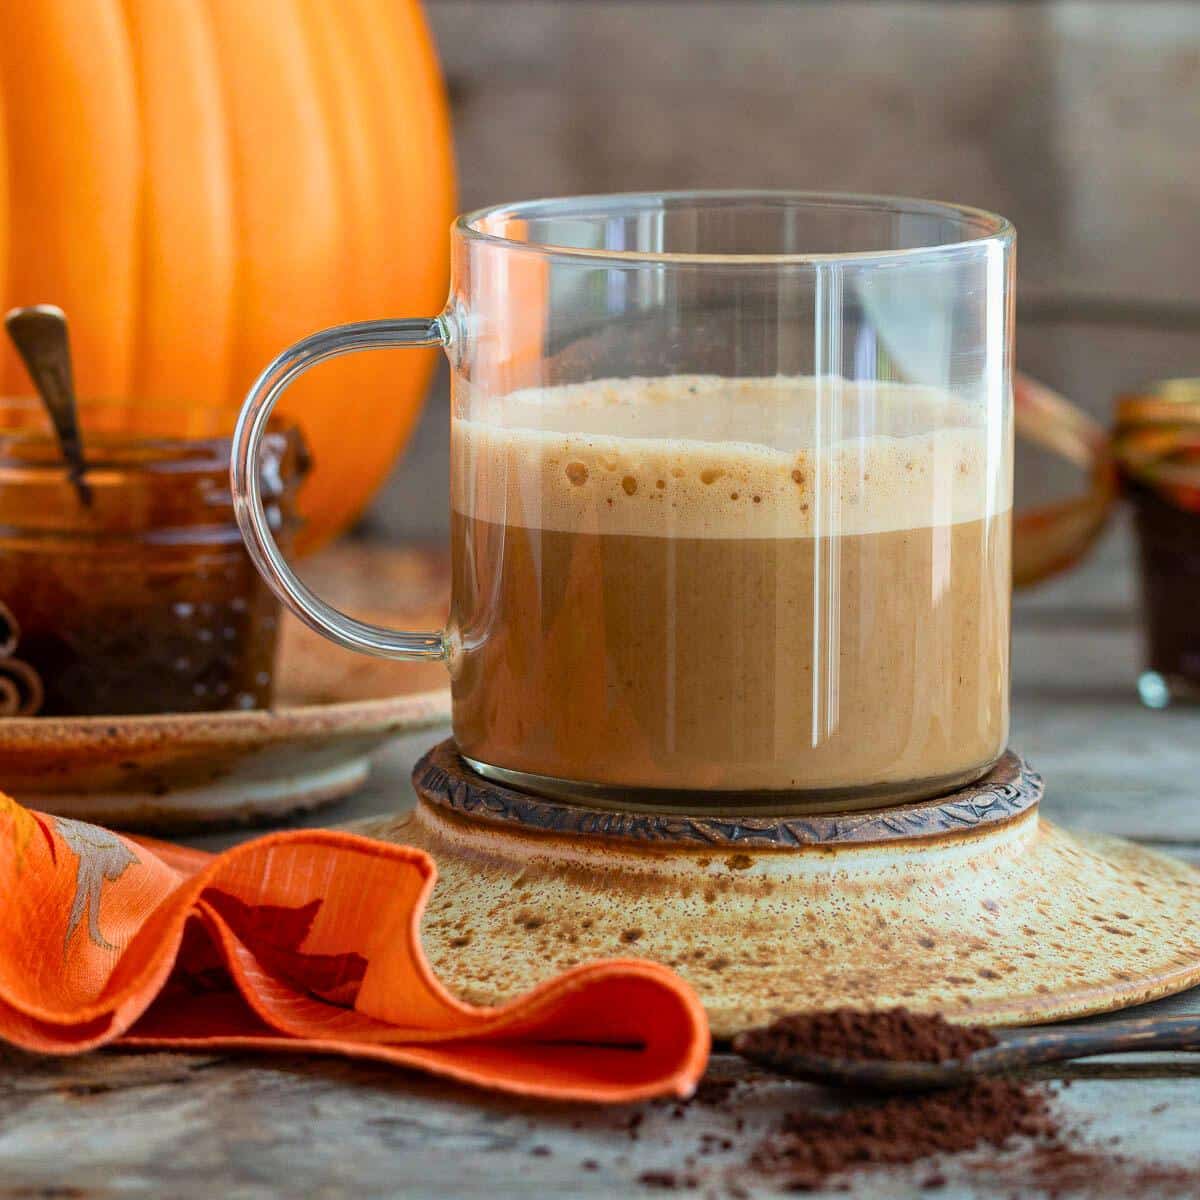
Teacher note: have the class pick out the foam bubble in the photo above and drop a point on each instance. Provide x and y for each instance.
(707, 456)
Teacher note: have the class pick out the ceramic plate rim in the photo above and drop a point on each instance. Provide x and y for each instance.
(340, 716)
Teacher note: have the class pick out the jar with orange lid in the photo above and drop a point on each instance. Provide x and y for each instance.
(1157, 447)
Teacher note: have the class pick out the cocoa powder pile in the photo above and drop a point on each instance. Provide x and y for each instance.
(894, 1034)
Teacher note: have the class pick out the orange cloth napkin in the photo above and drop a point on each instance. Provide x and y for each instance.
(302, 941)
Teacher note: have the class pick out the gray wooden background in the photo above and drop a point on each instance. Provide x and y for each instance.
(1080, 121)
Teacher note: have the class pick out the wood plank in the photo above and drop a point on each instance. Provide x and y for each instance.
(1016, 108)
(188, 1125)
(616, 96)
(1111, 765)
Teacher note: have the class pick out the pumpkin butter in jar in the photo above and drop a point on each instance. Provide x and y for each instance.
(144, 600)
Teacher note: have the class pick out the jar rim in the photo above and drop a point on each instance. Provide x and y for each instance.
(28, 441)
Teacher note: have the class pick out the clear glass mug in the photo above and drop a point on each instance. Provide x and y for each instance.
(731, 496)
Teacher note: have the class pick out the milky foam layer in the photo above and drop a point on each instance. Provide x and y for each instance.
(707, 456)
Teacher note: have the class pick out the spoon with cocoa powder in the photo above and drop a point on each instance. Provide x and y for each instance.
(895, 1049)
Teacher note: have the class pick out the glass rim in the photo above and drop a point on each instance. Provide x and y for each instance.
(992, 228)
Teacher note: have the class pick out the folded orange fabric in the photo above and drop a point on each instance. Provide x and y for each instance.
(305, 940)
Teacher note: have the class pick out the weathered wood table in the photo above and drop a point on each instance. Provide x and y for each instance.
(240, 1126)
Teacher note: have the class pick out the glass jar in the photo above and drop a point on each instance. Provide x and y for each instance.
(144, 600)
(1157, 447)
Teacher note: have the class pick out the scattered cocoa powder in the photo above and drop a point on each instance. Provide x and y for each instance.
(667, 1180)
(892, 1034)
(1062, 1171)
(810, 1148)
(713, 1093)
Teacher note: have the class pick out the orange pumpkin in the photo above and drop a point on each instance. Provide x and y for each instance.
(200, 182)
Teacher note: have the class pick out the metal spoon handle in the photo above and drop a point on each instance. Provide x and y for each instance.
(1015, 1049)
(1055, 1043)
(39, 333)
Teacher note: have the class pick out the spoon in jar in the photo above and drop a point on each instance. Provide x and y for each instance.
(39, 333)
(1013, 1050)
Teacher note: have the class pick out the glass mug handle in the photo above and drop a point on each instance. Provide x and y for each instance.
(336, 625)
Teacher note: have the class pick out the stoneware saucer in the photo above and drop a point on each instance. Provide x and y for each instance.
(186, 771)
(969, 904)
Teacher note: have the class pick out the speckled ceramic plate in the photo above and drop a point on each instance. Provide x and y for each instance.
(966, 904)
(172, 772)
